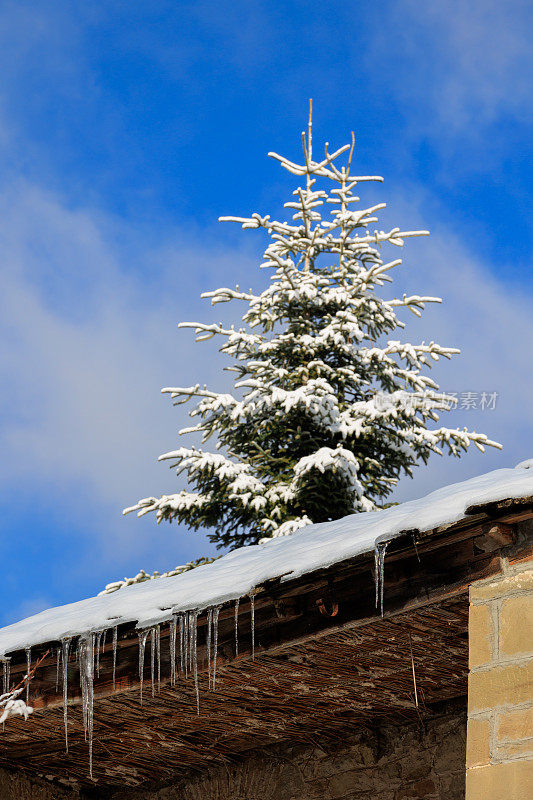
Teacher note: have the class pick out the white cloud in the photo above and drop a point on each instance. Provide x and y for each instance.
(87, 344)
(463, 65)
(489, 319)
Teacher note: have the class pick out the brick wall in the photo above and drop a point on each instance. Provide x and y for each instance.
(408, 762)
(500, 691)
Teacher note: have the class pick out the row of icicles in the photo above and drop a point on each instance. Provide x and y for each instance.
(183, 660)
(183, 654)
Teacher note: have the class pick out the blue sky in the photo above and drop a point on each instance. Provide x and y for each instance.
(126, 130)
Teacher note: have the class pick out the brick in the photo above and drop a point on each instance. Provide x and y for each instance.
(477, 742)
(515, 725)
(502, 685)
(499, 587)
(511, 781)
(479, 635)
(509, 750)
(516, 625)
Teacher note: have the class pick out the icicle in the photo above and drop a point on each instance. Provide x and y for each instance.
(194, 648)
(237, 627)
(65, 645)
(115, 642)
(191, 616)
(143, 635)
(58, 668)
(158, 653)
(173, 633)
(152, 659)
(186, 642)
(216, 612)
(208, 643)
(104, 636)
(28, 670)
(79, 659)
(187, 634)
(188, 631)
(182, 668)
(6, 670)
(379, 559)
(97, 651)
(5, 667)
(416, 547)
(6, 663)
(413, 669)
(252, 614)
(86, 654)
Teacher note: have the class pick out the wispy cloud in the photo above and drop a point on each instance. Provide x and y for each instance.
(458, 66)
(489, 320)
(87, 344)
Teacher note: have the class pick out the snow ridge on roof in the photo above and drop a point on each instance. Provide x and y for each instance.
(240, 571)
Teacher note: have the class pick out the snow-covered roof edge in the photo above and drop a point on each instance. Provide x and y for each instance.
(240, 571)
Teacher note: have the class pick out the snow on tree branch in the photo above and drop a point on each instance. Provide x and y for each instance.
(11, 705)
(143, 576)
(329, 406)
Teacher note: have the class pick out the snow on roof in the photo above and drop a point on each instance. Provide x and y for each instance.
(240, 571)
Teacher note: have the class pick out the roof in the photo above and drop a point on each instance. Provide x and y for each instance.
(306, 656)
(321, 690)
(239, 572)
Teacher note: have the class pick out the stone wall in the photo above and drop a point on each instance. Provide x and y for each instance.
(500, 694)
(409, 762)
(15, 786)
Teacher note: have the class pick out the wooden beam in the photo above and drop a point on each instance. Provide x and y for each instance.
(495, 534)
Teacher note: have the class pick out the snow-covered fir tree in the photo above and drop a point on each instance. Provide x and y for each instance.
(330, 406)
